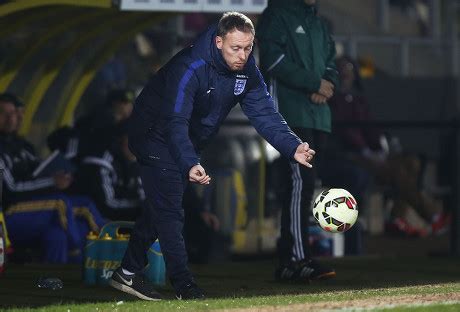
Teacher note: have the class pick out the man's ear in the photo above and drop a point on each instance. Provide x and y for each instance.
(219, 42)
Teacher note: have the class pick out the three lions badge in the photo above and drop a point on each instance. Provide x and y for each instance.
(240, 84)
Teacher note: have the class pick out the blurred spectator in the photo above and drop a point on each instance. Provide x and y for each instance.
(36, 209)
(368, 148)
(19, 159)
(98, 145)
(119, 104)
(109, 174)
(90, 129)
(297, 56)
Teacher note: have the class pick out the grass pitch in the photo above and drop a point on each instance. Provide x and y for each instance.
(362, 283)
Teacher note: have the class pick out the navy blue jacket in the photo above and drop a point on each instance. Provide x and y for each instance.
(185, 102)
(18, 161)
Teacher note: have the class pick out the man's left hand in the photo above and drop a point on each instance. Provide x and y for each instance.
(318, 98)
(326, 89)
(304, 154)
(197, 174)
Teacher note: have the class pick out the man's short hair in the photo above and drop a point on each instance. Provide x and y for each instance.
(234, 20)
(119, 95)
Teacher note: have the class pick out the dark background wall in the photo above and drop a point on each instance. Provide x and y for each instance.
(414, 99)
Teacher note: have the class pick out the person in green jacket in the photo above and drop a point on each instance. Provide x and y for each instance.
(297, 56)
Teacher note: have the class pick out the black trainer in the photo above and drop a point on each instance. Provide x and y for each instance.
(137, 285)
(191, 291)
(304, 270)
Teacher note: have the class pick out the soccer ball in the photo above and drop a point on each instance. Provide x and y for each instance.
(335, 210)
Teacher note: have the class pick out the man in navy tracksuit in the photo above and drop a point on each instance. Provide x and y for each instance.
(175, 115)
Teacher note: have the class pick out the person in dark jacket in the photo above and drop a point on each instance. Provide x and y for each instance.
(110, 176)
(175, 115)
(92, 128)
(38, 212)
(297, 56)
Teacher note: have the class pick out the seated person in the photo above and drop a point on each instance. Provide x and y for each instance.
(78, 140)
(109, 175)
(36, 209)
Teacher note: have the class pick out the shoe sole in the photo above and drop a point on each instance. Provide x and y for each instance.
(325, 276)
(130, 290)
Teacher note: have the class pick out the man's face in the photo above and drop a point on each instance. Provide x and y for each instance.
(122, 110)
(310, 2)
(8, 118)
(236, 47)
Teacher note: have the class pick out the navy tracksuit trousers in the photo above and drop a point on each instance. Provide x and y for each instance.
(293, 244)
(163, 218)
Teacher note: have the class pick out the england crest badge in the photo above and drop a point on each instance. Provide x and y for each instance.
(240, 84)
